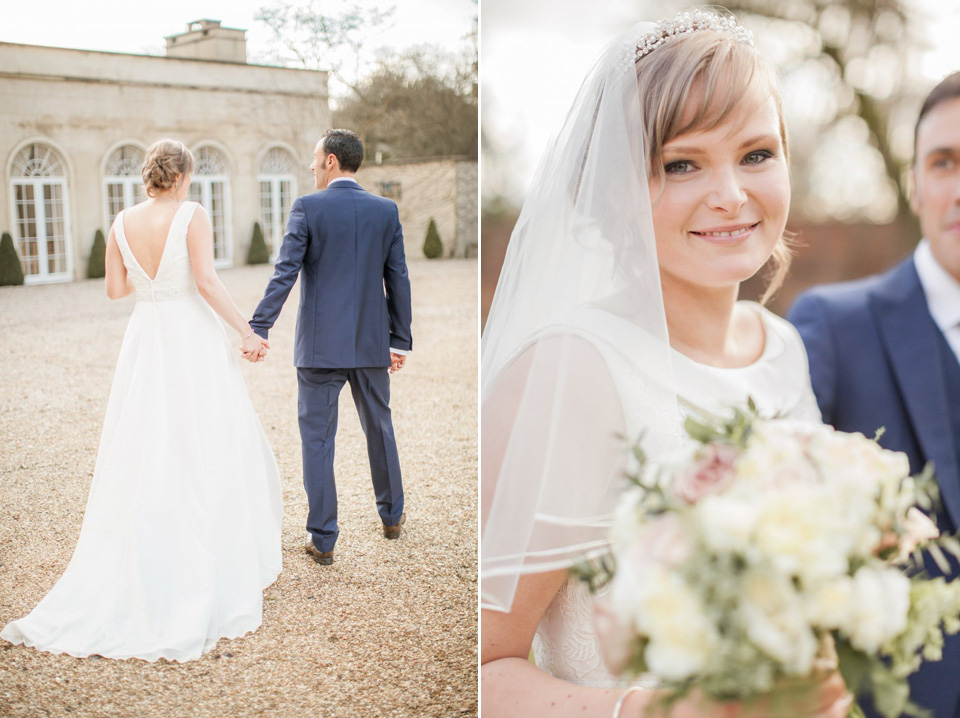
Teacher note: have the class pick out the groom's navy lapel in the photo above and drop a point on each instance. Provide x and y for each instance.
(909, 335)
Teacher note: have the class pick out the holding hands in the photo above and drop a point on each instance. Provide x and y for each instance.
(253, 348)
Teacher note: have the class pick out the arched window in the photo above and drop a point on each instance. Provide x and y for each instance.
(211, 188)
(39, 184)
(278, 187)
(123, 180)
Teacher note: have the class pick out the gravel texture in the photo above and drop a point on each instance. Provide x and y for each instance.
(390, 629)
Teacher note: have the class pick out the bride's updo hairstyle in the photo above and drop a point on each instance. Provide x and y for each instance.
(695, 81)
(165, 161)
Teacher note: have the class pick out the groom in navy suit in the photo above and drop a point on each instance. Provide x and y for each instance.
(884, 350)
(353, 326)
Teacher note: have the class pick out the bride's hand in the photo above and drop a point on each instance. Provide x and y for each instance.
(824, 697)
(254, 348)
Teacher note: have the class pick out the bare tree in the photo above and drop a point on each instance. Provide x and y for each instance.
(865, 45)
(420, 103)
(309, 34)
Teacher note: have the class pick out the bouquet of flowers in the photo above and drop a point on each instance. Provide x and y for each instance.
(741, 562)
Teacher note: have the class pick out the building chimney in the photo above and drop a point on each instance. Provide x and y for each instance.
(206, 40)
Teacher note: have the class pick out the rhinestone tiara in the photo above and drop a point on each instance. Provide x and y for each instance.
(689, 22)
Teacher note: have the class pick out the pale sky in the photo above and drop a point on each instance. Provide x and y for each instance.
(535, 53)
(140, 27)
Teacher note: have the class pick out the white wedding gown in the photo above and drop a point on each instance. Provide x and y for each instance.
(565, 644)
(182, 528)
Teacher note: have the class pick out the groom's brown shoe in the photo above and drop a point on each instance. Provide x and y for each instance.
(324, 558)
(392, 532)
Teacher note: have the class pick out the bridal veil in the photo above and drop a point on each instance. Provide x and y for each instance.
(583, 247)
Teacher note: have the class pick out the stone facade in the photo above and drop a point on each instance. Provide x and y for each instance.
(74, 124)
(444, 190)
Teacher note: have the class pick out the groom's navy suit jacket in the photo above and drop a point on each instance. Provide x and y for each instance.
(877, 359)
(347, 247)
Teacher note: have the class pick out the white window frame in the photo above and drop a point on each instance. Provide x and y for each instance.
(278, 219)
(129, 183)
(203, 185)
(45, 276)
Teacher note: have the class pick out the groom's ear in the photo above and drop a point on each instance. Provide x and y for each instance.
(912, 189)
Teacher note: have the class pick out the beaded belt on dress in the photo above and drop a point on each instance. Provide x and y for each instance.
(161, 294)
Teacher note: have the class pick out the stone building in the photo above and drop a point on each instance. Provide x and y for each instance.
(74, 125)
(444, 190)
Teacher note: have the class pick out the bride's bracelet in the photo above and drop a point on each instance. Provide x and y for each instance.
(248, 336)
(622, 699)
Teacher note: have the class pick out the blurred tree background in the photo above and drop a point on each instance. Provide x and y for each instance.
(417, 103)
(853, 81)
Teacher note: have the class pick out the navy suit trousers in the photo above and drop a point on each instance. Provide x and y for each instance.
(317, 409)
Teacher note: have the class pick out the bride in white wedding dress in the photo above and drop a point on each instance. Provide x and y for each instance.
(182, 527)
(617, 314)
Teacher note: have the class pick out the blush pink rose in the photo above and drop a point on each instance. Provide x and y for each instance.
(613, 638)
(710, 474)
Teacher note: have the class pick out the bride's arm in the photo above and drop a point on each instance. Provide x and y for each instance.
(512, 686)
(200, 247)
(115, 272)
(591, 420)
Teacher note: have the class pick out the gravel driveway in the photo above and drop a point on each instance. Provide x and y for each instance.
(390, 629)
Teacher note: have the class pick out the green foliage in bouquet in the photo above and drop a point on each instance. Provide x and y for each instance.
(11, 271)
(756, 468)
(258, 253)
(432, 246)
(96, 266)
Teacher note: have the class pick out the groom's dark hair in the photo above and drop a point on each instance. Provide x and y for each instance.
(948, 89)
(345, 146)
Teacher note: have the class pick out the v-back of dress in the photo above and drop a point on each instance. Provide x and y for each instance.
(565, 644)
(182, 528)
(174, 277)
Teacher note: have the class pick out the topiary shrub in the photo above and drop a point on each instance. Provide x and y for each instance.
(11, 271)
(96, 268)
(258, 253)
(432, 246)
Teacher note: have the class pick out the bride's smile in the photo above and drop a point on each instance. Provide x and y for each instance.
(727, 234)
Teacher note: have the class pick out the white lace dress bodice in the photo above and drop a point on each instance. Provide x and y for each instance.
(565, 644)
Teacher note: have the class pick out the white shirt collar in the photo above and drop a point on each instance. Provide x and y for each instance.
(941, 289)
(341, 179)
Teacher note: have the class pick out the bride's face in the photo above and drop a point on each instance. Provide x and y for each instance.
(722, 205)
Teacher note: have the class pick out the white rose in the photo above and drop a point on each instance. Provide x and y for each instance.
(673, 617)
(663, 541)
(802, 533)
(725, 523)
(881, 601)
(856, 460)
(830, 604)
(773, 614)
(775, 455)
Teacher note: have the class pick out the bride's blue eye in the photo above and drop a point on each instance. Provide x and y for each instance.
(758, 157)
(680, 167)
